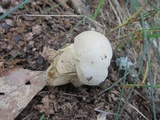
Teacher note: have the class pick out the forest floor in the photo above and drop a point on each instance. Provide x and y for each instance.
(22, 40)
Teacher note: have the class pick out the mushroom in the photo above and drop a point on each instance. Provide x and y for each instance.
(62, 69)
(84, 62)
(92, 54)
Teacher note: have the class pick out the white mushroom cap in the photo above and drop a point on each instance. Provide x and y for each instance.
(92, 54)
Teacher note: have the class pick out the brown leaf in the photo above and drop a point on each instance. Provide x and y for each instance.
(16, 93)
(47, 108)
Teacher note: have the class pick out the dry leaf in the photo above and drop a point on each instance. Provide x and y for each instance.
(17, 89)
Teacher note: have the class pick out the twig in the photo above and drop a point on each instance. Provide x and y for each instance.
(67, 16)
(55, 15)
(74, 95)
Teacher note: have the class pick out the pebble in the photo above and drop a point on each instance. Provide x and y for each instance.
(29, 36)
(4, 45)
(31, 43)
(14, 53)
(10, 47)
(34, 49)
(36, 29)
(25, 49)
(40, 60)
(48, 17)
(67, 26)
(5, 27)
(21, 43)
(17, 38)
(9, 22)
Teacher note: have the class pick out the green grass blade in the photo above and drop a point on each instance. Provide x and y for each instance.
(13, 9)
(98, 9)
(42, 117)
(153, 35)
(114, 83)
(141, 85)
(148, 59)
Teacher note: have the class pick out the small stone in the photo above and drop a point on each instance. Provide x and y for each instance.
(4, 45)
(55, 43)
(48, 17)
(25, 49)
(14, 53)
(9, 22)
(5, 27)
(17, 38)
(77, 29)
(68, 26)
(36, 29)
(29, 36)
(40, 60)
(10, 47)
(34, 49)
(21, 43)
(31, 43)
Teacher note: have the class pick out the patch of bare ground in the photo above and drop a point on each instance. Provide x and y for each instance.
(22, 39)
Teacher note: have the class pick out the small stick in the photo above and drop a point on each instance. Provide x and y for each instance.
(66, 16)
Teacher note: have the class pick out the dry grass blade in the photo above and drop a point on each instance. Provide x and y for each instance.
(130, 105)
(67, 16)
(106, 113)
(116, 12)
(145, 73)
(133, 107)
(131, 18)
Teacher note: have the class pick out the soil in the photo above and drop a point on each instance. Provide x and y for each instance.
(22, 39)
